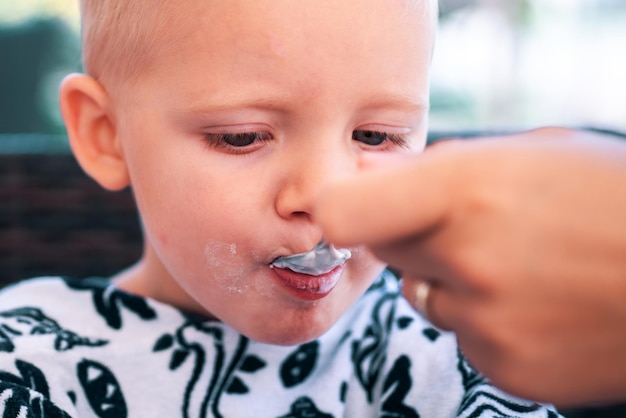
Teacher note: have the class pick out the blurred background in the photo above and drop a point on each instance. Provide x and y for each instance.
(38, 46)
(525, 63)
(498, 64)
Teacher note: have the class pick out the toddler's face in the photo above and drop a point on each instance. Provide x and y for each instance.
(230, 138)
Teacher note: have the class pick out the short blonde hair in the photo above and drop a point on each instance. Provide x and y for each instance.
(121, 37)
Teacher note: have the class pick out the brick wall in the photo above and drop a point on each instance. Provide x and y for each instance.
(54, 220)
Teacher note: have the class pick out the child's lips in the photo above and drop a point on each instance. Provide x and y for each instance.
(306, 286)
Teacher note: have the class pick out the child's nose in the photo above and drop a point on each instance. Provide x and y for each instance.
(305, 177)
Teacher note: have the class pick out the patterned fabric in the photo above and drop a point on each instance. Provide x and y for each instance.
(82, 348)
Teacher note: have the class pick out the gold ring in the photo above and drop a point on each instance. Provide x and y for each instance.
(422, 293)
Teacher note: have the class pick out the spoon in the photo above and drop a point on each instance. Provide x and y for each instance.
(320, 260)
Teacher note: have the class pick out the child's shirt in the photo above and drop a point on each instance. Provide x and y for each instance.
(83, 348)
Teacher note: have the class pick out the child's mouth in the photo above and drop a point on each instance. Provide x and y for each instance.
(322, 259)
(308, 287)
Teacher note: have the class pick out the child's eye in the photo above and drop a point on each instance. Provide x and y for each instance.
(378, 139)
(237, 141)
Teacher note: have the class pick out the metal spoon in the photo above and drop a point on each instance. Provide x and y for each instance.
(320, 260)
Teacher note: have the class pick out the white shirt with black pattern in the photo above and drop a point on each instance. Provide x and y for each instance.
(83, 348)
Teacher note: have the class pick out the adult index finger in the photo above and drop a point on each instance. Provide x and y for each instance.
(384, 204)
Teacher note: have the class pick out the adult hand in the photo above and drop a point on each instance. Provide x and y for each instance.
(523, 240)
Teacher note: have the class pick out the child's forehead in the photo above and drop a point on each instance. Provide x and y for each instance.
(236, 22)
(176, 14)
(124, 36)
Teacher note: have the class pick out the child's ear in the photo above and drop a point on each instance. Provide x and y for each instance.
(92, 131)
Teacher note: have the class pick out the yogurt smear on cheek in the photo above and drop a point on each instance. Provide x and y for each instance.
(224, 265)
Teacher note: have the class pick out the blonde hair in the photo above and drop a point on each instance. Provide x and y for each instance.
(122, 37)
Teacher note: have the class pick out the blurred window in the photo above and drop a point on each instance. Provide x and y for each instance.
(527, 63)
(38, 46)
(498, 64)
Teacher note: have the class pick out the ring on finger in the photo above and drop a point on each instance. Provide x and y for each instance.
(422, 295)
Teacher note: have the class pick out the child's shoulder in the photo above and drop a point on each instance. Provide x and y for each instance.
(49, 292)
(92, 305)
(34, 291)
(49, 283)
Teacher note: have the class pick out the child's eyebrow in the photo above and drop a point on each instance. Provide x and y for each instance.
(399, 102)
(234, 104)
(405, 103)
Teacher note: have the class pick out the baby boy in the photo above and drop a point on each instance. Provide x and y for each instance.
(227, 118)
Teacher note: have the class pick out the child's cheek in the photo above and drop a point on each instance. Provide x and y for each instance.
(373, 161)
(224, 265)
